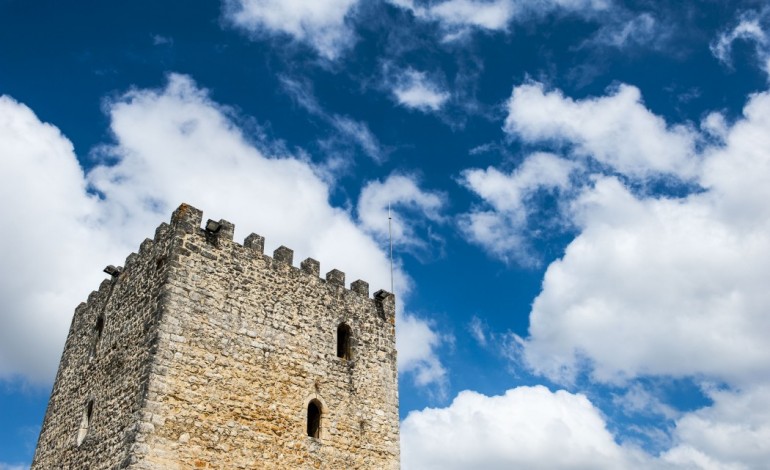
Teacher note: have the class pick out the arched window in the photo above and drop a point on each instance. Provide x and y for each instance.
(85, 421)
(314, 419)
(343, 341)
(97, 335)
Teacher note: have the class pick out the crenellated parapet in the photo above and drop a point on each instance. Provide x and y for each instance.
(187, 219)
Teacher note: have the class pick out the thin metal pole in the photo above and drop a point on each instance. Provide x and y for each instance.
(390, 236)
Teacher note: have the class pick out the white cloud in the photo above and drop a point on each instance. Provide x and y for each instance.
(417, 343)
(302, 94)
(503, 228)
(159, 40)
(731, 434)
(527, 427)
(410, 208)
(715, 125)
(492, 15)
(171, 145)
(8, 466)
(55, 231)
(747, 29)
(615, 130)
(360, 133)
(638, 400)
(532, 427)
(666, 286)
(458, 17)
(414, 90)
(646, 287)
(478, 330)
(621, 32)
(751, 27)
(323, 24)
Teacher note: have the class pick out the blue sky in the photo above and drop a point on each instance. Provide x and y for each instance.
(579, 191)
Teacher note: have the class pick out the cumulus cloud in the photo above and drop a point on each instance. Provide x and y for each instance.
(533, 427)
(731, 434)
(667, 286)
(615, 130)
(56, 231)
(502, 225)
(170, 145)
(322, 24)
(751, 27)
(414, 90)
(417, 343)
(527, 427)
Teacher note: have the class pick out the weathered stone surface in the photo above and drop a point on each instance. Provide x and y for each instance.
(335, 276)
(209, 357)
(362, 287)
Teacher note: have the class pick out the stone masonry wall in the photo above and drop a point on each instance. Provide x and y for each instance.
(112, 370)
(246, 342)
(209, 356)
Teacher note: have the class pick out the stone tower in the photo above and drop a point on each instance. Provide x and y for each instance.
(205, 353)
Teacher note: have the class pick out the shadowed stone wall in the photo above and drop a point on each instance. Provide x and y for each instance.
(111, 369)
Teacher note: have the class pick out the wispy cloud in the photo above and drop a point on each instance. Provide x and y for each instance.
(360, 133)
(752, 27)
(348, 128)
(413, 89)
(159, 40)
(478, 330)
(457, 18)
(624, 29)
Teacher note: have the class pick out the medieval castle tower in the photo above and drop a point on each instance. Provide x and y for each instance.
(203, 353)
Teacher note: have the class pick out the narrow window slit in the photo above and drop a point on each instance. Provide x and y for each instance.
(98, 329)
(343, 341)
(85, 421)
(313, 419)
